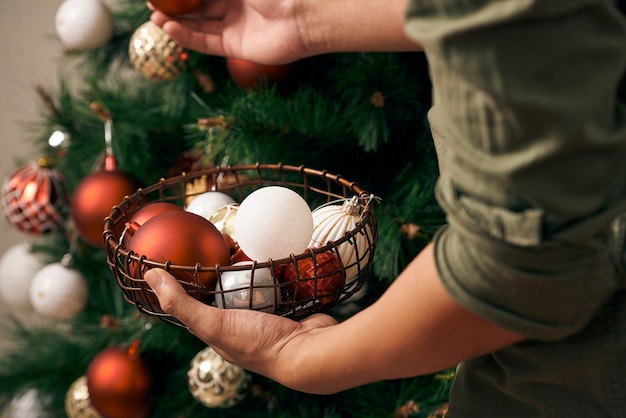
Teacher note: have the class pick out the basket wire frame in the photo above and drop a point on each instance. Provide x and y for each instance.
(315, 186)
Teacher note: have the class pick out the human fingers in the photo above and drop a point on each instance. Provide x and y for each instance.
(177, 303)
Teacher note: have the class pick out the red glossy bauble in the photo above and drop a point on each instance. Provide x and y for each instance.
(322, 279)
(184, 239)
(120, 383)
(34, 199)
(93, 200)
(248, 75)
(147, 212)
(176, 7)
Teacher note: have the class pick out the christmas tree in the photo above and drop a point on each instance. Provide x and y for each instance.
(132, 105)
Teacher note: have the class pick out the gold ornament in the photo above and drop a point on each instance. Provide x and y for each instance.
(77, 401)
(216, 383)
(155, 55)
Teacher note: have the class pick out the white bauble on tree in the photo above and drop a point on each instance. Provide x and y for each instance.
(58, 291)
(273, 222)
(83, 24)
(207, 203)
(18, 267)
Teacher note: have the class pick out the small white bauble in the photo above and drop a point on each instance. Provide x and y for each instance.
(18, 266)
(58, 292)
(273, 222)
(207, 203)
(236, 287)
(83, 24)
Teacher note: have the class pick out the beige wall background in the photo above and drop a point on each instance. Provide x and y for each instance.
(29, 55)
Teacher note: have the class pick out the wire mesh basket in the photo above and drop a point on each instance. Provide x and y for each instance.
(313, 281)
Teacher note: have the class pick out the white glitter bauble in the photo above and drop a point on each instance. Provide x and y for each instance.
(18, 266)
(216, 383)
(207, 203)
(83, 24)
(273, 222)
(236, 287)
(58, 292)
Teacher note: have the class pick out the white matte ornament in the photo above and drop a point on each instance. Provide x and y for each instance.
(18, 267)
(83, 24)
(58, 292)
(206, 204)
(273, 222)
(236, 287)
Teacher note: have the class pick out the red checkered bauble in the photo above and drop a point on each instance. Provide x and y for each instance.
(34, 198)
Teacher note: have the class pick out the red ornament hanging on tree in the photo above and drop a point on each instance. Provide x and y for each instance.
(94, 198)
(34, 198)
(248, 75)
(120, 383)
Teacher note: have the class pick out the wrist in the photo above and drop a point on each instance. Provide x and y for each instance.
(352, 26)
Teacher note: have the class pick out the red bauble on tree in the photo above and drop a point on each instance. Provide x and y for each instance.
(94, 198)
(34, 198)
(321, 278)
(248, 75)
(184, 239)
(176, 7)
(120, 383)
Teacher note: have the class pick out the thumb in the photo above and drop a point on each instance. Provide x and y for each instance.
(172, 297)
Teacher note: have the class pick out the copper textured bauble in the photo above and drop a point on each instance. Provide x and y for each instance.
(34, 199)
(184, 239)
(248, 75)
(93, 200)
(120, 383)
(176, 7)
(321, 279)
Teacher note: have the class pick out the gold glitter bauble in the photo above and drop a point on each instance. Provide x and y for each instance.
(155, 55)
(215, 382)
(77, 402)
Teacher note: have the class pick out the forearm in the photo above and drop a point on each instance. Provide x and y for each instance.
(351, 25)
(399, 336)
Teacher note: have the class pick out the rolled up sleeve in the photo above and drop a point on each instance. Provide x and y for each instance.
(532, 146)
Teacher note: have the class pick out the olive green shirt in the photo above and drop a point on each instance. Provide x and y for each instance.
(531, 140)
